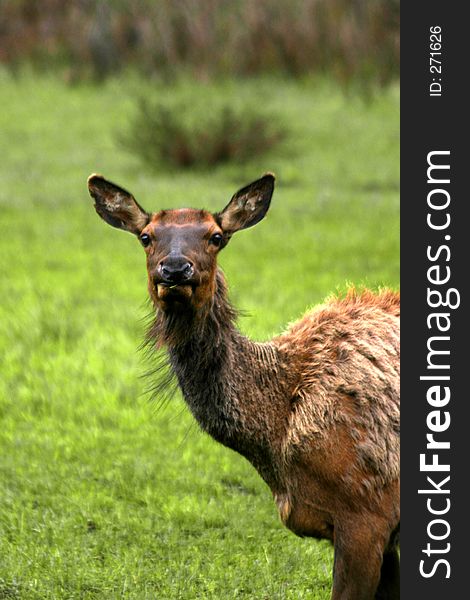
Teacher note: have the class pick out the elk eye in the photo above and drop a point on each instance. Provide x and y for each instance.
(216, 239)
(145, 239)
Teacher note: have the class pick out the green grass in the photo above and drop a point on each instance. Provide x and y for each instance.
(101, 494)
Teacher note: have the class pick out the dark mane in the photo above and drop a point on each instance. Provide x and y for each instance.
(188, 332)
(179, 327)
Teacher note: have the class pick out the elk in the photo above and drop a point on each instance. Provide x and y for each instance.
(315, 409)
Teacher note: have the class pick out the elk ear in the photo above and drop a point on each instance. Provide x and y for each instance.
(116, 206)
(248, 206)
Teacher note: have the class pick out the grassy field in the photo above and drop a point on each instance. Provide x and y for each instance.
(102, 495)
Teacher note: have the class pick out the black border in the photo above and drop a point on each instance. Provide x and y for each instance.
(428, 124)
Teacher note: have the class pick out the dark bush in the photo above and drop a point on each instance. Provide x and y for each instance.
(194, 134)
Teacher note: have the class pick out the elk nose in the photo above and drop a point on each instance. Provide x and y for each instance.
(175, 269)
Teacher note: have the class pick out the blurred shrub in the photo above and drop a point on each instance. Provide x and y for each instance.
(185, 133)
(353, 39)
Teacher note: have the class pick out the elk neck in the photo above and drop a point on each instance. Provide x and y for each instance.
(230, 383)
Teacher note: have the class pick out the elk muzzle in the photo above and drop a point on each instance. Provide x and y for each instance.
(175, 270)
(173, 278)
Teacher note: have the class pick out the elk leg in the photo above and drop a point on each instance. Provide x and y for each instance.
(357, 563)
(389, 586)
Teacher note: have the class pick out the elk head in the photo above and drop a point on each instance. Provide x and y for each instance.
(181, 244)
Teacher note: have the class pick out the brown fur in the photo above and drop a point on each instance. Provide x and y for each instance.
(315, 410)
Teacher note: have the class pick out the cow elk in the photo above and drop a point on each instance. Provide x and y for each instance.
(315, 410)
